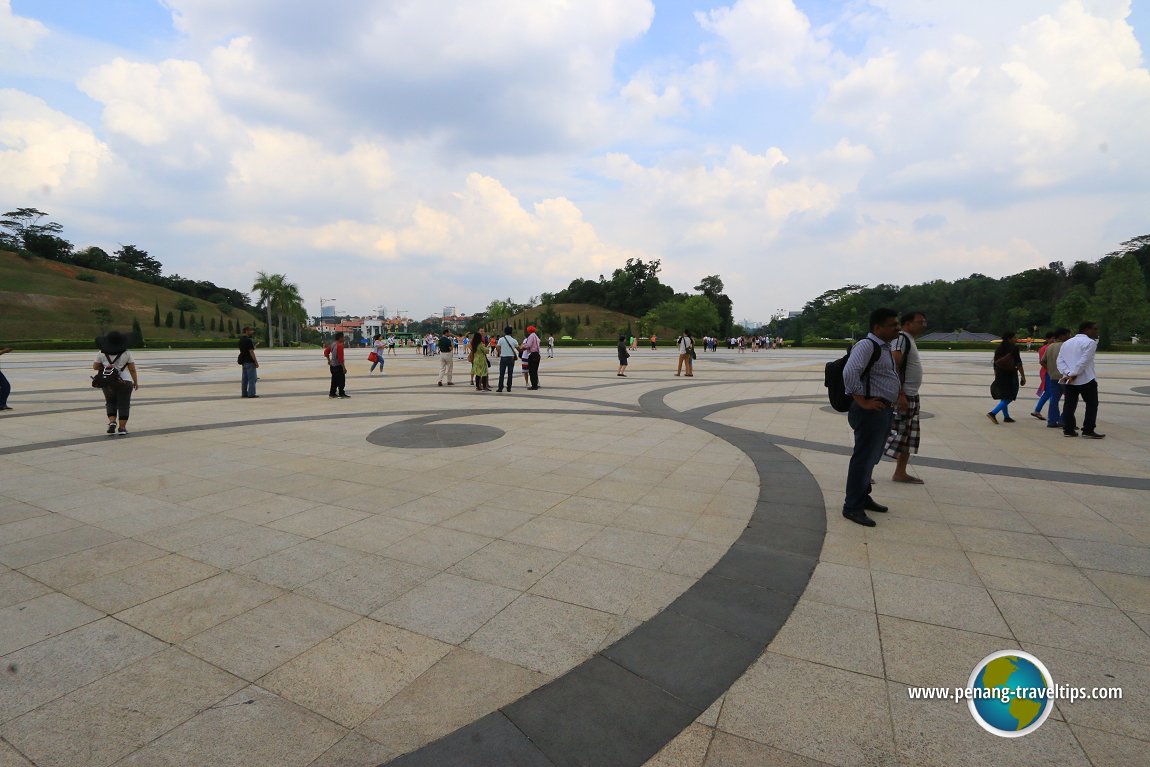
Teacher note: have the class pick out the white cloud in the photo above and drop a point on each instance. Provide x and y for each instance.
(43, 151)
(17, 33)
(768, 38)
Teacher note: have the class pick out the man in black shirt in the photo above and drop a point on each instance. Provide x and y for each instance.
(446, 359)
(247, 359)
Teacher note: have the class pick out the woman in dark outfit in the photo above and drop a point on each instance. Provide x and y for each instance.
(623, 355)
(1007, 372)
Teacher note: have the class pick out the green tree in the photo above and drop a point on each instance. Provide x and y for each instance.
(136, 261)
(202, 323)
(183, 320)
(571, 325)
(712, 288)
(138, 332)
(212, 325)
(169, 320)
(267, 285)
(549, 319)
(156, 316)
(186, 304)
(103, 318)
(1120, 304)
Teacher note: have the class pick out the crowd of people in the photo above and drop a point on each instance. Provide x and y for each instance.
(883, 374)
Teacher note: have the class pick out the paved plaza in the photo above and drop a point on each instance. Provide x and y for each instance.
(609, 571)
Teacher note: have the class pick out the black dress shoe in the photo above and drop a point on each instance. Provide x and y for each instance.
(859, 517)
(1093, 435)
(873, 505)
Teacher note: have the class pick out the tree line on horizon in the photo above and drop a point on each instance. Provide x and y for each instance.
(1111, 291)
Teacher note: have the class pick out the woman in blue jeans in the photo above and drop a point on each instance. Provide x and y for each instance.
(1007, 371)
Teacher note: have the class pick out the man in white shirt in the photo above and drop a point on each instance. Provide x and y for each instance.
(1076, 363)
(904, 430)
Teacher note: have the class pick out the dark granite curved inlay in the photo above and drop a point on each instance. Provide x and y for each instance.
(622, 705)
(418, 434)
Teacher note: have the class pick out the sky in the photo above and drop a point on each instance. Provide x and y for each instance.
(417, 154)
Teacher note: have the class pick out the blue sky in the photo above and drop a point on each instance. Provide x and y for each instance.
(416, 155)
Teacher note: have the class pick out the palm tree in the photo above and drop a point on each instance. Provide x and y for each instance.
(288, 304)
(268, 286)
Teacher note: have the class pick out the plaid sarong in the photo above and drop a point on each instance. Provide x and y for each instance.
(903, 437)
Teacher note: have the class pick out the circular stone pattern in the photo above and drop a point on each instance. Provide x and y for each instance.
(431, 435)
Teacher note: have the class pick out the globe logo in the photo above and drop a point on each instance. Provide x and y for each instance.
(1010, 693)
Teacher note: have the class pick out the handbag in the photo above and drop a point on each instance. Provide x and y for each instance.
(373, 357)
(996, 390)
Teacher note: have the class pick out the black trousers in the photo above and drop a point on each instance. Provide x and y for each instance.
(533, 369)
(1089, 394)
(118, 401)
(338, 380)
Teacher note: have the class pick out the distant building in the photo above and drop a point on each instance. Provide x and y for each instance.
(327, 311)
(448, 311)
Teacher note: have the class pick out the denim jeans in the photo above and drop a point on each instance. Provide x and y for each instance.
(506, 365)
(871, 428)
(248, 380)
(1054, 389)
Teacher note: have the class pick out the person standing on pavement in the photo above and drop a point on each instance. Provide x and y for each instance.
(871, 378)
(531, 346)
(446, 357)
(550, 346)
(1076, 362)
(623, 355)
(335, 363)
(904, 434)
(508, 349)
(478, 358)
(5, 387)
(249, 363)
(686, 354)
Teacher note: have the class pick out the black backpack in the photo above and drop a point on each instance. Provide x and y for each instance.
(109, 375)
(833, 379)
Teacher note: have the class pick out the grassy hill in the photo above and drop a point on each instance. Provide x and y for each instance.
(604, 323)
(42, 299)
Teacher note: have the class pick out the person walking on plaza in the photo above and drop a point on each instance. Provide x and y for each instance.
(550, 346)
(446, 358)
(508, 349)
(1043, 390)
(871, 379)
(531, 346)
(5, 387)
(1076, 362)
(623, 355)
(114, 355)
(904, 434)
(249, 364)
(336, 364)
(478, 358)
(1049, 362)
(654, 338)
(379, 349)
(1007, 372)
(686, 354)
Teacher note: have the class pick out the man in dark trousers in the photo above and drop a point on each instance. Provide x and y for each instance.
(871, 378)
(247, 359)
(335, 362)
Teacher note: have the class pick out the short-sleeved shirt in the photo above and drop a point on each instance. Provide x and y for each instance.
(913, 378)
(121, 362)
(444, 344)
(247, 347)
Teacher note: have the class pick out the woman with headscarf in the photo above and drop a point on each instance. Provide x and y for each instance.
(110, 365)
(1007, 371)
